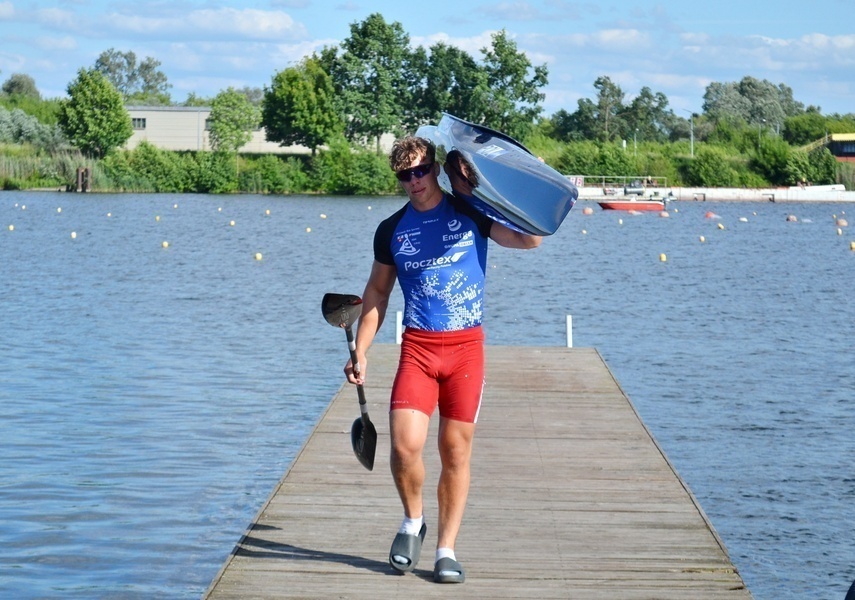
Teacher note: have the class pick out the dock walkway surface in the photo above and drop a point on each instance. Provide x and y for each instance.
(571, 497)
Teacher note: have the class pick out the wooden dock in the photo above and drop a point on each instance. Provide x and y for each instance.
(571, 498)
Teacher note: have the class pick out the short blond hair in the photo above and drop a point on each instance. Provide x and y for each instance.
(408, 149)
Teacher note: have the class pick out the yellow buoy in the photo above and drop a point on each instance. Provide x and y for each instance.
(11, 228)
(720, 226)
(852, 245)
(157, 217)
(620, 221)
(174, 206)
(258, 256)
(663, 258)
(839, 231)
(165, 244)
(58, 209)
(323, 216)
(74, 235)
(232, 223)
(109, 215)
(220, 209)
(702, 239)
(267, 212)
(308, 230)
(23, 207)
(584, 232)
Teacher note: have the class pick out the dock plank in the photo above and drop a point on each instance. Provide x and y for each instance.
(571, 498)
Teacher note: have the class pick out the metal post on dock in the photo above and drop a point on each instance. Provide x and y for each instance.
(569, 331)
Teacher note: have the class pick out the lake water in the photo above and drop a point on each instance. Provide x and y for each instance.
(151, 397)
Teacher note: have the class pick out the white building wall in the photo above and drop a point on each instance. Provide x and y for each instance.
(183, 128)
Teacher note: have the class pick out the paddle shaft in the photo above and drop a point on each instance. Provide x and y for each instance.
(351, 345)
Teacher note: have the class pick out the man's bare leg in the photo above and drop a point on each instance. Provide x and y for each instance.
(408, 429)
(455, 451)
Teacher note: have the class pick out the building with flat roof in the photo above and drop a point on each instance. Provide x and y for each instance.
(842, 146)
(183, 128)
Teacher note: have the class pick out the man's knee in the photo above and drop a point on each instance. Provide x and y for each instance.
(455, 455)
(455, 445)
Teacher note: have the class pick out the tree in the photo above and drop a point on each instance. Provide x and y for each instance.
(609, 106)
(753, 100)
(454, 83)
(232, 121)
(142, 83)
(299, 106)
(513, 94)
(648, 115)
(805, 128)
(374, 78)
(93, 117)
(20, 84)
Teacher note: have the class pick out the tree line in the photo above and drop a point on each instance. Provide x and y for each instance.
(375, 83)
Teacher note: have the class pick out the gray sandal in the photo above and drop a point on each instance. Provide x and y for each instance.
(406, 549)
(448, 570)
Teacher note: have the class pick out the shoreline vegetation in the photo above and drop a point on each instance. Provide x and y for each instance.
(339, 102)
(345, 169)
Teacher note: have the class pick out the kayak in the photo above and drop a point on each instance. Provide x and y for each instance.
(499, 176)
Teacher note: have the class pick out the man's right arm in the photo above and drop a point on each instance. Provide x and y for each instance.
(375, 300)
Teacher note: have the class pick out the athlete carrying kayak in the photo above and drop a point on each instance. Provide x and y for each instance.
(435, 246)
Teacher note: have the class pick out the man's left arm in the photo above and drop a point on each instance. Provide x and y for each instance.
(507, 237)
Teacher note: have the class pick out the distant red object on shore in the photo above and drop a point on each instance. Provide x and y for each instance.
(632, 204)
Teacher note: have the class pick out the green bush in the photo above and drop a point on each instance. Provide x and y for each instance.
(711, 168)
(271, 174)
(345, 170)
(213, 173)
(161, 170)
(771, 159)
(846, 175)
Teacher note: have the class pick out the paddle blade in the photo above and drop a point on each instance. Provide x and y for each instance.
(341, 310)
(363, 436)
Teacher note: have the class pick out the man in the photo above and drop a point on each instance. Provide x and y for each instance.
(436, 248)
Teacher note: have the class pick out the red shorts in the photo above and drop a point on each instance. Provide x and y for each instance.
(441, 368)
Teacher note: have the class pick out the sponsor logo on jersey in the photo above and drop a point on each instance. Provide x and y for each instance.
(454, 225)
(433, 263)
(457, 236)
(407, 248)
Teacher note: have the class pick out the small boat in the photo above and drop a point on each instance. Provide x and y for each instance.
(632, 203)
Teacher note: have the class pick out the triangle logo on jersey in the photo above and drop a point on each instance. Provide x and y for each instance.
(407, 248)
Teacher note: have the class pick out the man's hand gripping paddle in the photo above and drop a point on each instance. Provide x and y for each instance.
(342, 310)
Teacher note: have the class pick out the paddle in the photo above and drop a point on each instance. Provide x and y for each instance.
(342, 310)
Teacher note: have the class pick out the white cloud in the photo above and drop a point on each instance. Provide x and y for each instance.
(55, 17)
(511, 11)
(285, 55)
(57, 43)
(471, 45)
(228, 23)
(7, 10)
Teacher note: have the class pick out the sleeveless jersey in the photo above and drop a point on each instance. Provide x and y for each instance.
(441, 259)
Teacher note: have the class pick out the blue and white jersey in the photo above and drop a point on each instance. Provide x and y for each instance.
(441, 259)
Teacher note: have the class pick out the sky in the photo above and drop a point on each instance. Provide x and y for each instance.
(674, 47)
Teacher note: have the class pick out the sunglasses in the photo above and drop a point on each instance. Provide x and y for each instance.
(418, 172)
